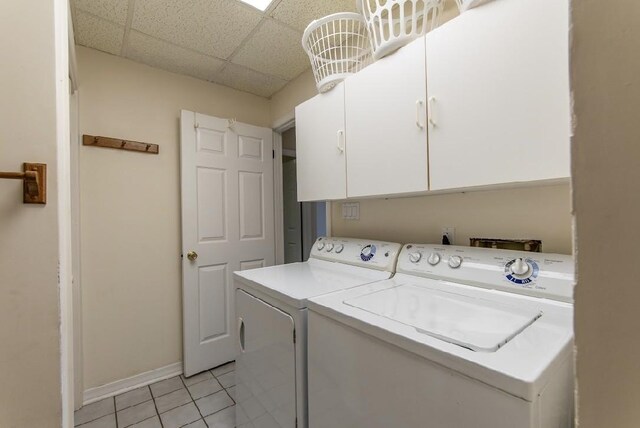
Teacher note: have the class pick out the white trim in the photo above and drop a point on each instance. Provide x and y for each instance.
(328, 215)
(74, 121)
(278, 197)
(285, 123)
(92, 395)
(289, 152)
(63, 179)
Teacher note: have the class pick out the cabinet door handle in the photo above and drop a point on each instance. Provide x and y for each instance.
(241, 334)
(419, 114)
(341, 141)
(432, 122)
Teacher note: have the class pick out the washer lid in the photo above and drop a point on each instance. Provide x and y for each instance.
(477, 324)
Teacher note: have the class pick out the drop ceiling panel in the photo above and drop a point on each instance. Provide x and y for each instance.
(274, 49)
(111, 10)
(248, 80)
(299, 13)
(98, 33)
(160, 54)
(212, 27)
(223, 41)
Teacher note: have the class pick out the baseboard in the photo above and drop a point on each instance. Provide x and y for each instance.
(92, 395)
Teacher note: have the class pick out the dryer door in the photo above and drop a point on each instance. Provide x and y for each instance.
(266, 364)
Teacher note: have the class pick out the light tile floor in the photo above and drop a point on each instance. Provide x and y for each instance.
(205, 400)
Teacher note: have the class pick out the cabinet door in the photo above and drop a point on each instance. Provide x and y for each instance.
(386, 134)
(320, 145)
(498, 87)
(266, 364)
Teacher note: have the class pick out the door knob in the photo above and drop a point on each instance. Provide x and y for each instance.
(192, 255)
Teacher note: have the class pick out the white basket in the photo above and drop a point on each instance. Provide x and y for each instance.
(338, 45)
(394, 23)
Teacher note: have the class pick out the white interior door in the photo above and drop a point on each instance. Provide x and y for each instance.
(292, 214)
(227, 225)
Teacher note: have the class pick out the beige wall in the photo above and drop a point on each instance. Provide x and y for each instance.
(606, 169)
(29, 302)
(298, 90)
(130, 204)
(537, 213)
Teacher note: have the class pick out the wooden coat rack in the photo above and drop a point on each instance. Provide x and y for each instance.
(115, 143)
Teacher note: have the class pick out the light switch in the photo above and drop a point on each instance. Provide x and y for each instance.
(351, 211)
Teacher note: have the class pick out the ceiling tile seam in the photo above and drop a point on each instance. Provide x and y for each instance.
(127, 28)
(255, 30)
(216, 82)
(222, 60)
(246, 39)
(175, 45)
(267, 97)
(93, 15)
(284, 24)
(281, 89)
(273, 76)
(272, 7)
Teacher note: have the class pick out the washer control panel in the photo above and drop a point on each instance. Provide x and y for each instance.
(536, 274)
(379, 255)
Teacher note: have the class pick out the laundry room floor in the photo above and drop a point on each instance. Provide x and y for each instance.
(206, 400)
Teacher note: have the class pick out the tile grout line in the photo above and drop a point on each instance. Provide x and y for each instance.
(100, 417)
(194, 401)
(155, 405)
(115, 409)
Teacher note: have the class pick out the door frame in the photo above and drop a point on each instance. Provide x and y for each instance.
(280, 126)
(64, 70)
(74, 122)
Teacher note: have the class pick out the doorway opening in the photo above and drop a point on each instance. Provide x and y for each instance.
(303, 222)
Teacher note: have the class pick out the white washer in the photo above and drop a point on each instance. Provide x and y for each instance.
(460, 337)
(271, 310)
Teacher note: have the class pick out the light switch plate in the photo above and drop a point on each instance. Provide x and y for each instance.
(351, 211)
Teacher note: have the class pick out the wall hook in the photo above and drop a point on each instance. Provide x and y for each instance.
(34, 179)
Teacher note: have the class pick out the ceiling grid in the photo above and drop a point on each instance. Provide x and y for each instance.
(222, 41)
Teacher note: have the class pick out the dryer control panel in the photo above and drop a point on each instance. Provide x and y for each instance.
(357, 252)
(535, 274)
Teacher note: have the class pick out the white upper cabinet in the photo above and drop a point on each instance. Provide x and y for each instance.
(320, 147)
(482, 100)
(498, 89)
(386, 130)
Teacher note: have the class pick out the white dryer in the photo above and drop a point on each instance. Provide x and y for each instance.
(271, 310)
(460, 338)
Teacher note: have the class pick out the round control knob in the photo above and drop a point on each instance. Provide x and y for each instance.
(339, 248)
(329, 247)
(320, 245)
(520, 267)
(455, 262)
(415, 257)
(367, 252)
(434, 259)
